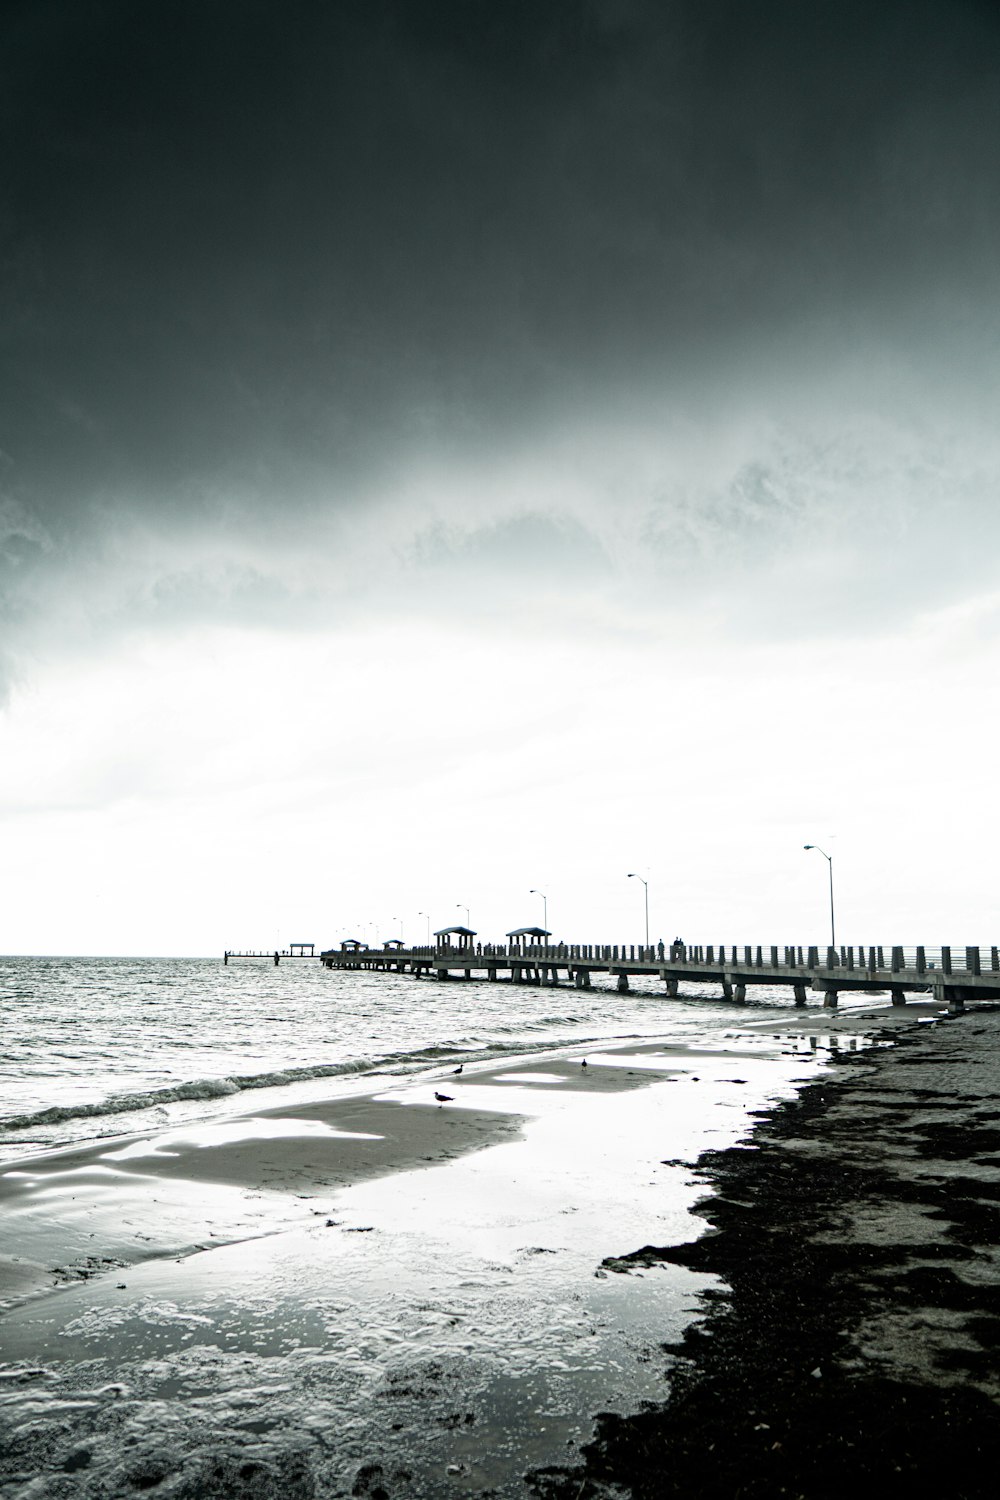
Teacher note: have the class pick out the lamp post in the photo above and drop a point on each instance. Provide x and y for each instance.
(645, 884)
(545, 907)
(424, 914)
(460, 907)
(400, 921)
(829, 863)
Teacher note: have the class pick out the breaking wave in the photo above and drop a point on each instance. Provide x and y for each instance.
(219, 1088)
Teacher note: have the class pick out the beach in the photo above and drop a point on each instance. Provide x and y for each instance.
(855, 1348)
(376, 1292)
(383, 1294)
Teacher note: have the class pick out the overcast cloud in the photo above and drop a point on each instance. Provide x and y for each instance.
(420, 419)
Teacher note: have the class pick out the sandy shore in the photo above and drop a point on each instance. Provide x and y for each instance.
(75, 1213)
(382, 1295)
(855, 1348)
(72, 1214)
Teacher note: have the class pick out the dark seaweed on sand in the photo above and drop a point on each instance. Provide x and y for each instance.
(783, 1388)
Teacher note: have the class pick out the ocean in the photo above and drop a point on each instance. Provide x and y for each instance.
(91, 1047)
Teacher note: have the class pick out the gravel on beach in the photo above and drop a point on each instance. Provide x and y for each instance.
(855, 1342)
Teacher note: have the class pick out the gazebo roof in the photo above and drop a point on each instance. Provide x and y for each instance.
(353, 943)
(393, 943)
(455, 931)
(530, 932)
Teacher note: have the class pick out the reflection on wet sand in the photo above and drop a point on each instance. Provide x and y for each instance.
(433, 1303)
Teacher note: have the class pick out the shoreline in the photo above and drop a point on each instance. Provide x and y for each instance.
(853, 1344)
(419, 1296)
(176, 1189)
(190, 1181)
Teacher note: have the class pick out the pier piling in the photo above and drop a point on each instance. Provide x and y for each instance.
(951, 975)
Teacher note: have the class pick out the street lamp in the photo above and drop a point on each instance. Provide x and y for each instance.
(545, 907)
(460, 907)
(634, 876)
(400, 921)
(829, 861)
(424, 914)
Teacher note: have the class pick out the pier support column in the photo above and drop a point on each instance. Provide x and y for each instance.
(582, 979)
(955, 999)
(441, 974)
(800, 994)
(740, 993)
(898, 997)
(671, 988)
(727, 990)
(623, 988)
(515, 973)
(491, 974)
(829, 991)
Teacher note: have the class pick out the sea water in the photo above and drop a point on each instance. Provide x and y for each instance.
(97, 1046)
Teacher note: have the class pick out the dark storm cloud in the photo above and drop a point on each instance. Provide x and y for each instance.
(282, 236)
(258, 254)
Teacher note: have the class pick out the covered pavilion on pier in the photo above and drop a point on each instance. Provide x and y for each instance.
(464, 936)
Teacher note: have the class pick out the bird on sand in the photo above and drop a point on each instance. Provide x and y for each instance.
(459, 1068)
(442, 1098)
(583, 1064)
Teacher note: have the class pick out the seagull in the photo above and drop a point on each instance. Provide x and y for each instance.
(442, 1098)
(583, 1063)
(459, 1068)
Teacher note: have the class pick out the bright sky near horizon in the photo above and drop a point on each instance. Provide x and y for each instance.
(453, 448)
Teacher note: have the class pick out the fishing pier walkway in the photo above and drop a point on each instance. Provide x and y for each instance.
(948, 975)
(294, 950)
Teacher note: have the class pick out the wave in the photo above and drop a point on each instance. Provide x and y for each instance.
(220, 1088)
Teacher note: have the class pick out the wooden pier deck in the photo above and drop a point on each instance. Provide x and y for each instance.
(949, 975)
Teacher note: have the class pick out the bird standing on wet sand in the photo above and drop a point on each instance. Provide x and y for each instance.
(442, 1098)
(459, 1068)
(583, 1064)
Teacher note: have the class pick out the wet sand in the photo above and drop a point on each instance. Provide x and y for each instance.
(855, 1346)
(76, 1213)
(400, 1297)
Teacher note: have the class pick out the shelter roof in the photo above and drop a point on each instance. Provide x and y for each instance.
(455, 931)
(530, 932)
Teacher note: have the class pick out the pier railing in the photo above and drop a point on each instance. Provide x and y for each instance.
(866, 958)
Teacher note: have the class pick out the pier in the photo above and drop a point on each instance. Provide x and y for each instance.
(294, 950)
(949, 975)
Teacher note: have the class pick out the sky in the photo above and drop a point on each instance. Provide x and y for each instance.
(454, 450)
